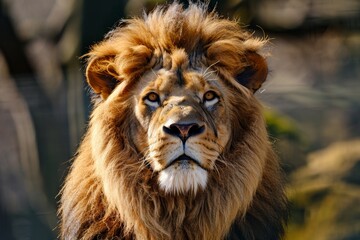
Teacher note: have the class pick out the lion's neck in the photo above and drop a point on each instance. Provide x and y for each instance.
(154, 215)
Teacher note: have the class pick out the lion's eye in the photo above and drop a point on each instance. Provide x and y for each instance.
(210, 98)
(210, 95)
(152, 99)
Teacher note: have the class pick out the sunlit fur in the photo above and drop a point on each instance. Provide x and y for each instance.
(122, 184)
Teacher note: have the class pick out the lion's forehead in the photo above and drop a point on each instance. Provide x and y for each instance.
(180, 82)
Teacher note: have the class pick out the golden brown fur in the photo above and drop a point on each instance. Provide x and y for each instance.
(114, 189)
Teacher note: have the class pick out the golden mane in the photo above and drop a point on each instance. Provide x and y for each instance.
(131, 49)
(110, 194)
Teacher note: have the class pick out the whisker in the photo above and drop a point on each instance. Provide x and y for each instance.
(222, 161)
(212, 80)
(143, 165)
(206, 75)
(156, 75)
(211, 65)
(217, 171)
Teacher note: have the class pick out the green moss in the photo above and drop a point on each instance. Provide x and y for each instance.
(281, 126)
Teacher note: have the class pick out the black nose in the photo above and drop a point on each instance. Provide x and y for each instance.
(184, 131)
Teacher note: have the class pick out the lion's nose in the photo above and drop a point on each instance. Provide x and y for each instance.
(184, 131)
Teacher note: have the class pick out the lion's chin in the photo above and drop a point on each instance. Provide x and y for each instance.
(183, 177)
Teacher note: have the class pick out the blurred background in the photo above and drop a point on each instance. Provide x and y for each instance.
(311, 99)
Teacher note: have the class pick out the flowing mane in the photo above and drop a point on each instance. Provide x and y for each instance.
(176, 146)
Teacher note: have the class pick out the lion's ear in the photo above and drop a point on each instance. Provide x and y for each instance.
(101, 75)
(255, 72)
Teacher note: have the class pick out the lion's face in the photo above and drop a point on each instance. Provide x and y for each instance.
(183, 114)
(183, 94)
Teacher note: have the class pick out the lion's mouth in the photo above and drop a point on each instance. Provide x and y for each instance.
(184, 161)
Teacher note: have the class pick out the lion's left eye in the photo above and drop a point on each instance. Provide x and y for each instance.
(210, 95)
(210, 98)
(152, 99)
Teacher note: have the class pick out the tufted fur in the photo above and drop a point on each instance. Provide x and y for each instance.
(114, 191)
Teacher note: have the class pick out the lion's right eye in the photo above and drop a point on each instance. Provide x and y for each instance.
(152, 99)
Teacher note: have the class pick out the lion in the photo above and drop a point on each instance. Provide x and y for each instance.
(176, 146)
